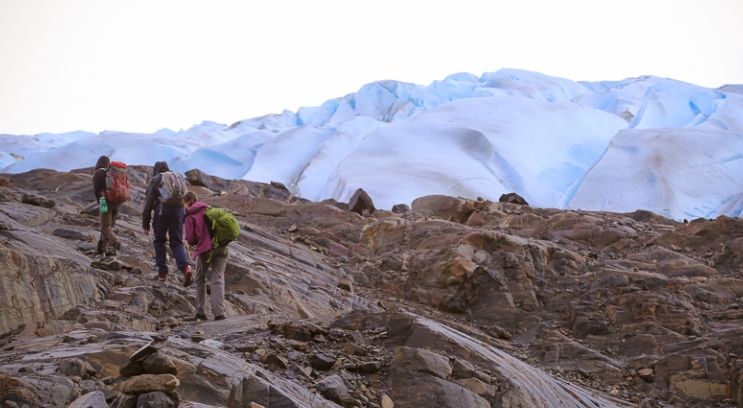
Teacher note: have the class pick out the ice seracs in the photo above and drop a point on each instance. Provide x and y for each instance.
(640, 143)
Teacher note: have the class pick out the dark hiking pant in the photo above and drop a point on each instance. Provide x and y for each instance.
(167, 225)
(107, 229)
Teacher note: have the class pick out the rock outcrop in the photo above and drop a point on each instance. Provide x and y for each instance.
(450, 303)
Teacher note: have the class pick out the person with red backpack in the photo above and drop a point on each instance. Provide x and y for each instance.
(165, 197)
(107, 219)
(211, 260)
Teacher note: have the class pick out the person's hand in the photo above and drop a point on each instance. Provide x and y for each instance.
(146, 231)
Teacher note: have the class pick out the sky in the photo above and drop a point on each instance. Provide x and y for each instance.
(139, 66)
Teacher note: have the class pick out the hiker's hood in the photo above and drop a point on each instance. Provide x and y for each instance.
(160, 167)
(102, 162)
(196, 207)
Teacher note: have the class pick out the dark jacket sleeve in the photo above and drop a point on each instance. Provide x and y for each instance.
(150, 201)
(99, 183)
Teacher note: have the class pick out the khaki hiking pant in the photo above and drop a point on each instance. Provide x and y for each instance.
(108, 219)
(213, 271)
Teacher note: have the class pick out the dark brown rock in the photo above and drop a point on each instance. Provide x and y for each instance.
(322, 362)
(155, 399)
(512, 198)
(274, 362)
(400, 208)
(131, 369)
(124, 401)
(292, 331)
(38, 201)
(646, 374)
(158, 363)
(361, 203)
(278, 185)
(196, 177)
(334, 388)
(346, 285)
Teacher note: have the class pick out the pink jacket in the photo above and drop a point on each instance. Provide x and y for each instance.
(197, 232)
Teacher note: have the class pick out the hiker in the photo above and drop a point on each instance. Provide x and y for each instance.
(108, 219)
(167, 225)
(198, 235)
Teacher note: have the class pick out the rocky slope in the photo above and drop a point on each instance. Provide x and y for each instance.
(452, 303)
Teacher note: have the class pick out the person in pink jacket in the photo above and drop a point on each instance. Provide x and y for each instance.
(198, 235)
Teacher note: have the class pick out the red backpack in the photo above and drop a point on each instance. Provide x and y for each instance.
(117, 184)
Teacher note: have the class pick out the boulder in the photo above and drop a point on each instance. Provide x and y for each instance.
(156, 399)
(149, 382)
(158, 363)
(131, 369)
(418, 361)
(437, 206)
(322, 362)
(361, 203)
(512, 198)
(95, 399)
(72, 367)
(196, 177)
(400, 208)
(335, 389)
(38, 201)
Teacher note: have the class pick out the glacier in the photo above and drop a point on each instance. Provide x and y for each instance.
(648, 143)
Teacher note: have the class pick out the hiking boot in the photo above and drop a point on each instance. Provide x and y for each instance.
(99, 256)
(162, 278)
(217, 318)
(201, 317)
(187, 274)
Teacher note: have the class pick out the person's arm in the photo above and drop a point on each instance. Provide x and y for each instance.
(99, 183)
(149, 204)
(191, 235)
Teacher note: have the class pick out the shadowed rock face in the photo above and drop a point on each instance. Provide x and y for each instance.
(453, 303)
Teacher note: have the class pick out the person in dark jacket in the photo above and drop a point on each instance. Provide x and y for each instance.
(197, 234)
(108, 219)
(167, 225)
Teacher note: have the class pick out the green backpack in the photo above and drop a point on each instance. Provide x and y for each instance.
(222, 225)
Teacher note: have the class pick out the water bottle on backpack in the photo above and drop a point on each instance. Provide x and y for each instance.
(164, 194)
(104, 207)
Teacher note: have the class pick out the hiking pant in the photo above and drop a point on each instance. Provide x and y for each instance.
(216, 275)
(107, 228)
(168, 226)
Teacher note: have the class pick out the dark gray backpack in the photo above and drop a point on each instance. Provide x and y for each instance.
(172, 188)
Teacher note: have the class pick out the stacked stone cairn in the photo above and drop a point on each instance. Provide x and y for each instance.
(151, 380)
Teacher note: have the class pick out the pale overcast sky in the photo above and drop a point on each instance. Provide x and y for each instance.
(139, 66)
